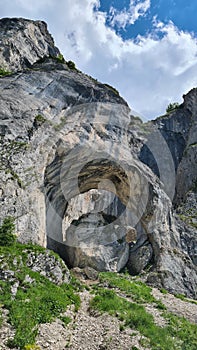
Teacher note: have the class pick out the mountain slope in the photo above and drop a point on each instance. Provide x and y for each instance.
(76, 171)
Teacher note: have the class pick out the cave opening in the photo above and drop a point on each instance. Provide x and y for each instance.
(92, 211)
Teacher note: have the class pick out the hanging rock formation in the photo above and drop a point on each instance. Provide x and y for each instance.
(83, 176)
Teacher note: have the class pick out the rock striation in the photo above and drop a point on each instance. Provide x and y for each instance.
(84, 177)
(179, 131)
(23, 42)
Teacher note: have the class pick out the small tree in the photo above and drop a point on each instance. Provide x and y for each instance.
(172, 106)
(7, 229)
(71, 65)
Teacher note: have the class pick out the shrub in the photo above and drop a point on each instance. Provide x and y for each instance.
(39, 120)
(4, 72)
(7, 228)
(172, 106)
(112, 89)
(60, 58)
(71, 65)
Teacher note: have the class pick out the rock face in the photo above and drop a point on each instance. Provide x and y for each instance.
(71, 167)
(48, 265)
(179, 132)
(23, 42)
(45, 263)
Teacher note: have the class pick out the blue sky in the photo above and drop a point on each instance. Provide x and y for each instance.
(147, 49)
(181, 12)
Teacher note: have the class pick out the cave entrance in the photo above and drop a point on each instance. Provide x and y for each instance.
(92, 207)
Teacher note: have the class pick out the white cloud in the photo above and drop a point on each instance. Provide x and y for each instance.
(137, 8)
(149, 72)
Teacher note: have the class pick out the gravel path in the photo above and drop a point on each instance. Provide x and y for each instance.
(177, 306)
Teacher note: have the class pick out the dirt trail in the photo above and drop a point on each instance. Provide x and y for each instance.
(177, 306)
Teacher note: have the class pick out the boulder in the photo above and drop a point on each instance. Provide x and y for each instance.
(139, 259)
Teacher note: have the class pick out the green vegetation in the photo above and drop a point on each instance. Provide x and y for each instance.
(32, 347)
(65, 319)
(16, 177)
(178, 334)
(188, 149)
(189, 219)
(37, 299)
(13, 147)
(8, 149)
(137, 290)
(112, 89)
(171, 107)
(71, 65)
(189, 215)
(35, 303)
(184, 298)
(7, 229)
(39, 119)
(1, 319)
(58, 127)
(163, 291)
(194, 144)
(4, 72)
(60, 58)
(93, 79)
(180, 296)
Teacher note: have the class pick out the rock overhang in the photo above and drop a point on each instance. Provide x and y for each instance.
(85, 159)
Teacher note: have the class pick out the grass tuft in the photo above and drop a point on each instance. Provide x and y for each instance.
(137, 290)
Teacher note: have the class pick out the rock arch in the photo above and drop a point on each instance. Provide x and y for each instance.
(88, 164)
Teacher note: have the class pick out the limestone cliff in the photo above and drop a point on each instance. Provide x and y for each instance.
(72, 165)
(23, 42)
(179, 131)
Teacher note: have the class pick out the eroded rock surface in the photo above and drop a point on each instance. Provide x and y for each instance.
(71, 173)
(179, 133)
(23, 42)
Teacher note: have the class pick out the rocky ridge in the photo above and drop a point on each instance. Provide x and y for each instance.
(23, 42)
(84, 177)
